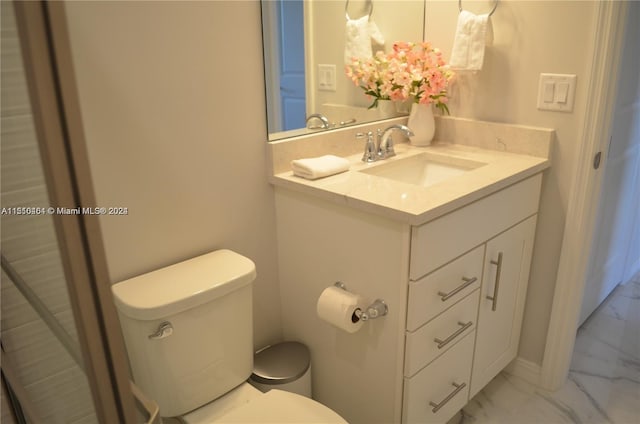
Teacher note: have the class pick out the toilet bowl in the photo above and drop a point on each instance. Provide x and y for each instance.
(188, 330)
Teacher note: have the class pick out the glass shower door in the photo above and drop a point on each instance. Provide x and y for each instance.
(40, 348)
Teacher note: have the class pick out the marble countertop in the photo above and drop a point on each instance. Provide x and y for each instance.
(415, 204)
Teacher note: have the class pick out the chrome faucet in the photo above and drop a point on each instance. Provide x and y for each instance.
(385, 142)
(369, 148)
(325, 122)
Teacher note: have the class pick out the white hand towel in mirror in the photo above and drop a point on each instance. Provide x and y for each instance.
(359, 35)
(473, 33)
(323, 166)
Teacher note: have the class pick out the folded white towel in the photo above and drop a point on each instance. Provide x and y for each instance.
(323, 166)
(473, 33)
(358, 38)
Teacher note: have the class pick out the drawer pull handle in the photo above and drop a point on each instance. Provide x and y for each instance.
(496, 287)
(467, 282)
(463, 327)
(437, 406)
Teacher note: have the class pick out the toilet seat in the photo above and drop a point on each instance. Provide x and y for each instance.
(277, 406)
(246, 404)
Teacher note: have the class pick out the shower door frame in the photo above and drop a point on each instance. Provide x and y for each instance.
(54, 101)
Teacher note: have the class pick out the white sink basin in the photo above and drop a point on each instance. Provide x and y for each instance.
(423, 169)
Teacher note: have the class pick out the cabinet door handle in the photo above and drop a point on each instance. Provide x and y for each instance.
(496, 287)
(463, 326)
(467, 283)
(437, 406)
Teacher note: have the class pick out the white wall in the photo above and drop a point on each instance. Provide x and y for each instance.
(530, 37)
(628, 125)
(172, 100)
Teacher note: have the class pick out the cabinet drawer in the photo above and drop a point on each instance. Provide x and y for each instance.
(449, 328)
(433, 387)
(436, 242)
(441, 289)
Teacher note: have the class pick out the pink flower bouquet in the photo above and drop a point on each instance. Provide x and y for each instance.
(412, 71)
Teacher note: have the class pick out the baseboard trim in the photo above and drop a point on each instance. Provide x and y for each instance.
(526, 370)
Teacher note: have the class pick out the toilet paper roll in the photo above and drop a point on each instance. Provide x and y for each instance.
(337, 306)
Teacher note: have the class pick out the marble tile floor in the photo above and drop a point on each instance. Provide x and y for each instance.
(604, 380)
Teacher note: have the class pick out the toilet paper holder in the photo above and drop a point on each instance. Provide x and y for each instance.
(376, 310)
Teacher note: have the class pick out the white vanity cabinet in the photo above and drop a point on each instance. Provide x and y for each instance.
(453, 323)
(499, 229)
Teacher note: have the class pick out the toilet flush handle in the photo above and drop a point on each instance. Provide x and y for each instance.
(165, 329)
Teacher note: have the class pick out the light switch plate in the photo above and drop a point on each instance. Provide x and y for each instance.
(556, 92)
(327, 77)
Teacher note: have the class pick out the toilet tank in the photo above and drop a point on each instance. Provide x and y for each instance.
(206, 349)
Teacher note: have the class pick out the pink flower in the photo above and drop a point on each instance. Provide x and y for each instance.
(415, 71)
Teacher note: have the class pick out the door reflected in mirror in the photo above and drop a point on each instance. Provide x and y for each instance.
(305, 47)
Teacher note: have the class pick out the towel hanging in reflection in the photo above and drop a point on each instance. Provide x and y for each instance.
(360, 34)
(473, 33)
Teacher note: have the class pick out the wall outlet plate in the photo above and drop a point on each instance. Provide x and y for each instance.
(556, 92)
(327, 77)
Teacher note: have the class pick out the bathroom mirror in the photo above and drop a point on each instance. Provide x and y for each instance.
(304, 49)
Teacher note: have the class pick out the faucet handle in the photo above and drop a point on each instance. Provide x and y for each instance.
(370, 154)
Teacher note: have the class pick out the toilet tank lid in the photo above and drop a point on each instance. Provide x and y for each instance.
(176, 288)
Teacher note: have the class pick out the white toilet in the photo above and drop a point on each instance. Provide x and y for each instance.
(189, 334)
